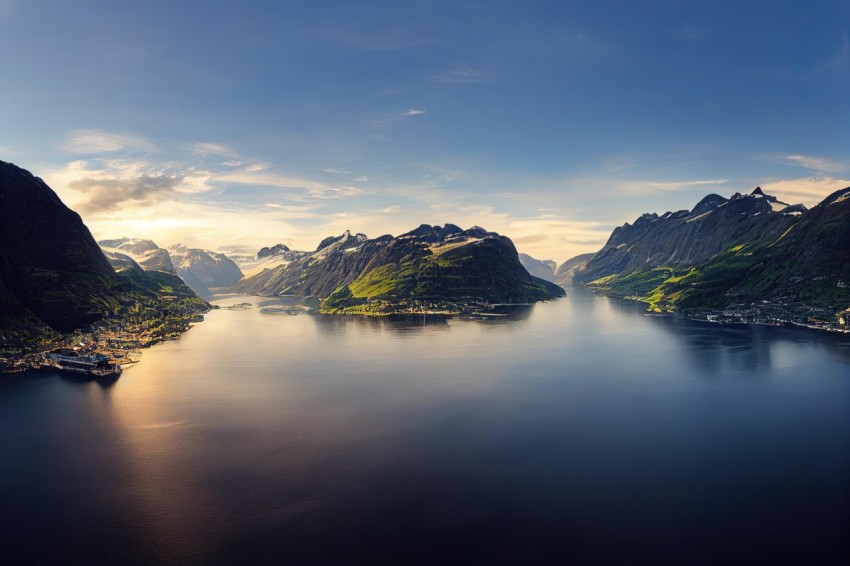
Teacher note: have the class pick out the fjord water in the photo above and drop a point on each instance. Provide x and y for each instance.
(578, 431)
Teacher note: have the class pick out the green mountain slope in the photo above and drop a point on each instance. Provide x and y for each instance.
(797, 260)
(432, 267)
(53, 276)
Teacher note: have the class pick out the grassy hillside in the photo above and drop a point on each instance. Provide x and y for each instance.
(441, 277)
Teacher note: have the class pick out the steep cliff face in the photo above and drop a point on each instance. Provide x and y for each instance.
(565, 272)
(784, 255)
(810, 262)
(687, 238)
(429, 264)
(52, 270)
(53, 275)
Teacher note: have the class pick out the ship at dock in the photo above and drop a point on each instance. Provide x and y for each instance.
(93, 365)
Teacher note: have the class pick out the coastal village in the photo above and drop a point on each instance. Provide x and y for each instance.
(118, 340)
(780, 314)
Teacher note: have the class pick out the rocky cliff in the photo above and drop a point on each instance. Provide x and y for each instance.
(53, 275)
(745, 250)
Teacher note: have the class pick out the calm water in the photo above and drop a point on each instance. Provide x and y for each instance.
(576, 431)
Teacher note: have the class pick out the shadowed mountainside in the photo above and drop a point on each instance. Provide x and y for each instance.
(744, 250)
(54, 278)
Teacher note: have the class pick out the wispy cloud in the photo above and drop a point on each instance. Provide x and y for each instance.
(678, 185)
(210, 148)
(807, 190)
(644, 187)
(106, 195)
(463, 76)
(394, 118)
(818, 164)
(324, 192)
(298, 188)
(111, 185)
(98, 142)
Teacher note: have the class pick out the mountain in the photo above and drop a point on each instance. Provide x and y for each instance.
(267, 258)
(564, 273)
(544, 269)
(432, 267)
(144, 252)
(686, 238)
(740, 251)
(204, 270)
(201, 270)
(53, 276)
(151, 280)
(276, 249)
(807, 264)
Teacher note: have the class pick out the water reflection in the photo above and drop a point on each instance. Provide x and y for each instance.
(398, 324)
(576, 424)
(715, 349)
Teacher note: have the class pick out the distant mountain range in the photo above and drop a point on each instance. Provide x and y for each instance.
(544, 269)
(565, 272)
(433, 268)
(736, 251)
(747, 249)
(55, 279)
(202, 270)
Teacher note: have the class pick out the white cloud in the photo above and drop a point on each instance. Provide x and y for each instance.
(108, 186)
(807, 190)
(97, 142)
(209, 148)
(463, 76)
(301, 188)
(819, 164)
(392, 119)
(323, 192)
(644, 187)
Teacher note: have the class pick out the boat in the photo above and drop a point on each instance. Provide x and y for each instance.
(95, 365)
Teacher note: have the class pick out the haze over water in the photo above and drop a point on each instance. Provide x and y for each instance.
(575, 430)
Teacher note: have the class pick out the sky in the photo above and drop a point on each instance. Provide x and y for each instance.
(236, 125)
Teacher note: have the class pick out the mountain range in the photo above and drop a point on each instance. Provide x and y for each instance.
(202, 270)
(746, 249)
(737, 251)
(437, 268)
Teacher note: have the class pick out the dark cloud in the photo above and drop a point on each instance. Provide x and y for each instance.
(105, 195)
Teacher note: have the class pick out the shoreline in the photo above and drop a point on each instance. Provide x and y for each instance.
(752, 314)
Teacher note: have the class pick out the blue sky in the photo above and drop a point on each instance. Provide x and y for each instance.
(235, 125)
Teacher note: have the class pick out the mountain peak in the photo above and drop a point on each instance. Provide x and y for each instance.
(757, 191)
(709, 202)
(345, 238)
(274, 250)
